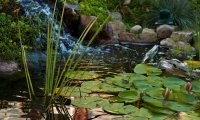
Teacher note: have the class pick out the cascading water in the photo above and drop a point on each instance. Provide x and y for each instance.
(35, 8)
(112, 56)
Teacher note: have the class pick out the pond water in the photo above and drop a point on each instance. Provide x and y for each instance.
(107, 61)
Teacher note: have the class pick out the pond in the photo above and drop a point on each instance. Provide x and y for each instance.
(110, 81)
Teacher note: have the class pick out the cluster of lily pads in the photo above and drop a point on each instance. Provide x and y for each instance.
(144, 94)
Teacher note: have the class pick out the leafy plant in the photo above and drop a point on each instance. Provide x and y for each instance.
(57, 82)
(181, 11)
(139, 96)
(10, 43)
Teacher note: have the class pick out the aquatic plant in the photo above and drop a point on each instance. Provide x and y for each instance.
(56, 78)
(142, 95)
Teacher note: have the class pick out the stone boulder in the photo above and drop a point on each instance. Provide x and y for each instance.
(9, 70)
(128, 37)
(126, 2)
(148, 35)
(168, 42)
(117, 26)
(112, 29)
(116, 15)
(83, 23)
(8, 67)
(136, 29)
(182, 36)
(107, 41)
(164, 31)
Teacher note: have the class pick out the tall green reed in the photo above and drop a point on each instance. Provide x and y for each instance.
(53, 82)
(24, 60)
(197, 34)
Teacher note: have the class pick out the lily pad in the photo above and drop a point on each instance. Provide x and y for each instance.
(130, 95)
(158, 110)
(82, 75)
(90, 85)
(120, 108)
(119, 99)
(155, 81)
(72, 91)
(173, 83)
(182, 97)
(179, 107)
(87, 102)
(153, 101)
(142, 112)
(110, 87)
(155, 92)
(146, 69)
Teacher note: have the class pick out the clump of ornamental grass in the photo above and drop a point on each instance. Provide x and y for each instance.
(56, 79)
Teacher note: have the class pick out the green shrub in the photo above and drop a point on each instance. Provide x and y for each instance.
(9, 36)
(9, 52)
(136, 12)
(181, 10)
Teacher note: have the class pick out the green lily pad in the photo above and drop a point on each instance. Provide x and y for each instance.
(73, 91)
(141, 84)
(173, 83)
(179, 107)
(196, 86)
(142, 112)
(82, 75)
(87, 102)
(110, 88)
(119, 99)
(146, 69)
(120, 108)
(130, 95)
(130, 118)
(90, 85)
(158, 117)
(153, 101)
(182, 97)
(158, 110)
(155, 92)
(155, 81)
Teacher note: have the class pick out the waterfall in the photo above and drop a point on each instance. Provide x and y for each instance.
(36, 8)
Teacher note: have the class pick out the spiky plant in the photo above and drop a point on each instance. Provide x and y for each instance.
(181, 11)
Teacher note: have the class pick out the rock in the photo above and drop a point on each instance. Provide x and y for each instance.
(177, 44)
(116, 15)
(167, 42)
(117, 27)
(127, 2)
(112, 29)
(9, 67)
(182, 36)
(84, 21)
(108, 42)
(136, 29)
(148, 35)
(10, 70)
(128, 37)
(164, 31)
